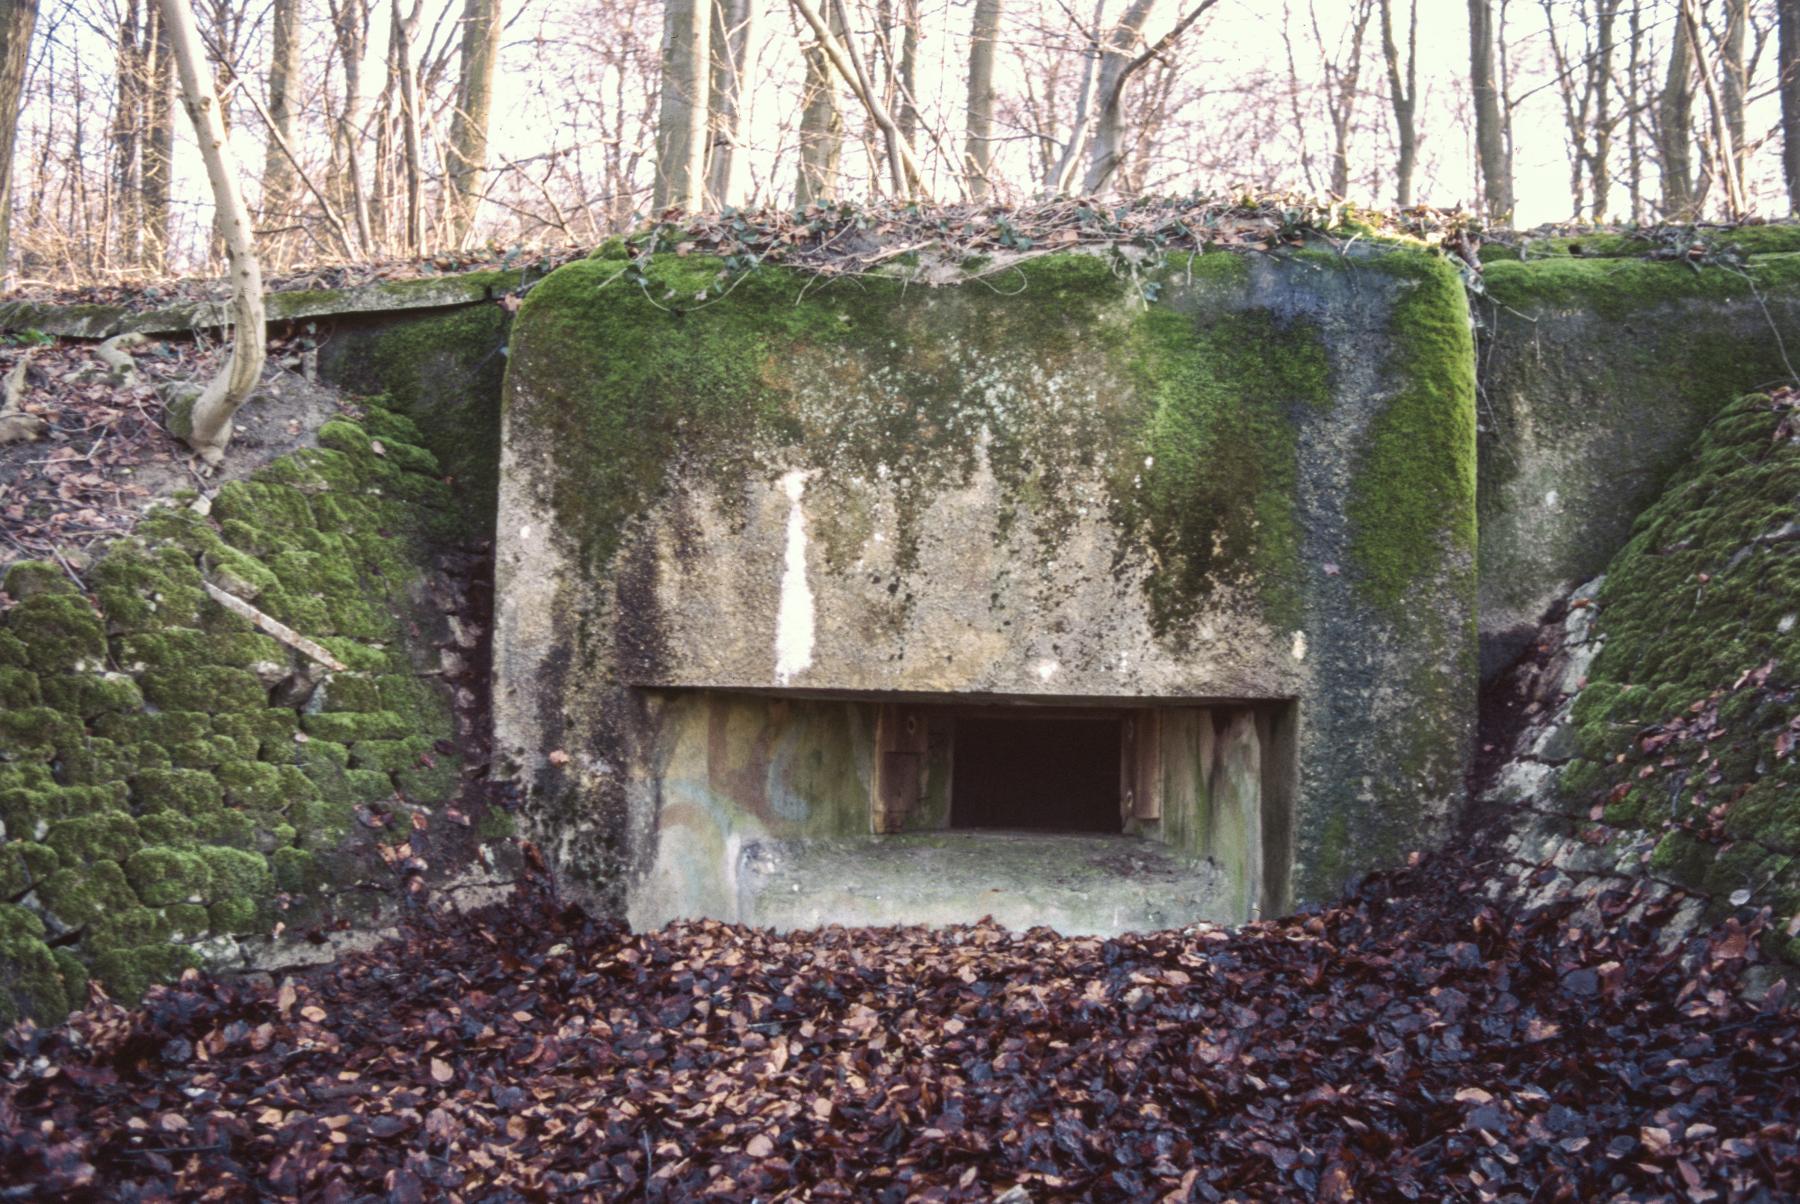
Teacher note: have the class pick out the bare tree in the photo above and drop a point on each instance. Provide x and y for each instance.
(906, 176)
(734, 29)
(1788, 60)
(282, 108)
(1096, 130)
(1116, 64)
(220, 399)
(821, 130)
(1491, 135)
(1584, 76)
(404, 71)
(984, 36)
(1674, 127)
(1342, 85)
(1734, 81)
(468, 152)
(1635, 87)
(17, 21)
(1403, 95)
(159, 143)
(681, 123)
(1724, 155)
(350, 29)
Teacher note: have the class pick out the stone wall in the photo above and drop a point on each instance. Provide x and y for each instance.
(1664, 707)
(1232, 476)
(176, 785)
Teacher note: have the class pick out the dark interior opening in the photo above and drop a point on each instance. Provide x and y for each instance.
(1047, 773)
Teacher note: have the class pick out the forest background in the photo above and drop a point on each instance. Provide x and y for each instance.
(366, 129)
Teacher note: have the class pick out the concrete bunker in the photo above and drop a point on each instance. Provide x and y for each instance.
(790, 809)
(806, 591)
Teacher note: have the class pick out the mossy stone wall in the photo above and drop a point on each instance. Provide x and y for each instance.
(1689, 725)
(443, 369)
(1596, 377)
(165, 795)
(1227, 476)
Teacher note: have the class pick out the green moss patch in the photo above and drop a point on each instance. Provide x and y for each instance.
(1197, 399)
(1690, 723)
(1220, 453)
(154, 792)
(1415, 480)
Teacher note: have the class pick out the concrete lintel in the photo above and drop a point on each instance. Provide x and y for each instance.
(384, 296)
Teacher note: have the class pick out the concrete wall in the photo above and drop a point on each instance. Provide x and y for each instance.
(1238, 477)
(1597, 375)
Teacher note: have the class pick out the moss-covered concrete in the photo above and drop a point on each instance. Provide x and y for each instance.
(99, 321)
(1596, 376)
(443, 368)
(1689, 725)
(1193, 479)
(1718, 242)
(157, 801)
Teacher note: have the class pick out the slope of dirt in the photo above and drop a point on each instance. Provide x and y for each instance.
(106, 454)
(1410, 1042)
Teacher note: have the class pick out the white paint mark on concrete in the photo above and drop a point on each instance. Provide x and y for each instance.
(525, 533)
(794, 619)
(1046, 669)
(1299, 645)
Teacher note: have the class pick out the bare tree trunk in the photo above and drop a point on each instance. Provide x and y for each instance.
(1724, 150)
(908, 178)
(474, 103)
(984, 34)
(284, 84)
(733, 47)
(1633, 120)
(17, 22)
(1674, 134)
(1788, 58)
(1109, 120)
(908, 116)
(130, 81)
(405, 33)
(1063, 177)
(1490, 128)
(1403, 91)
(681, 121)
(159, 140)
(1734, 81)
(1600, 72)
(821, 131)
(213, 410)
(351, 19)
(1342, 93)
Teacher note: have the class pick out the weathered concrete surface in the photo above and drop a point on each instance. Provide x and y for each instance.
(101, 321)
(734, 772)
(1258, 486)
(1596, 378)
(1078, 885)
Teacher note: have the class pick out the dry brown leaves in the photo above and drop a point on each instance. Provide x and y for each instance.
(75, 485)
(844, 239)
(1407, 1043)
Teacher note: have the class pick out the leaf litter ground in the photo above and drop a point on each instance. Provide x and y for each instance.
(1409, 1042)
